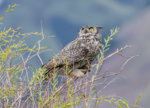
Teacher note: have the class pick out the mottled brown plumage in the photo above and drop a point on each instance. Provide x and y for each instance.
(75, 58)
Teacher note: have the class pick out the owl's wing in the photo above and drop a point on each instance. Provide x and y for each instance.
(70, 54)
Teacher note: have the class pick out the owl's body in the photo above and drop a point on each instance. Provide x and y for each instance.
(75, 58)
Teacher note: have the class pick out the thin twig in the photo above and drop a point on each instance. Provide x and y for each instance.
(114, 53)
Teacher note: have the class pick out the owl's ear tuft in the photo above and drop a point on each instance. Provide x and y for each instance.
(99, 27)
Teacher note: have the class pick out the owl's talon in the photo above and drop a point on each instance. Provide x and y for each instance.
(78, 73)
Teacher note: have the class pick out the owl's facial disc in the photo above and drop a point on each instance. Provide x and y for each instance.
(87, 31)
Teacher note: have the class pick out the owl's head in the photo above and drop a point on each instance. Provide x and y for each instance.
(88, 31)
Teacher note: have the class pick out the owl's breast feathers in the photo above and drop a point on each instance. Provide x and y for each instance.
(78, 52)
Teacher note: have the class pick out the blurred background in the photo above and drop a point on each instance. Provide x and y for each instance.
(64, 18)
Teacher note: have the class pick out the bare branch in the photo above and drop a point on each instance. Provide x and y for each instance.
(114, 53)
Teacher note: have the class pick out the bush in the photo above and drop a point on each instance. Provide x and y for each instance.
(18, 90)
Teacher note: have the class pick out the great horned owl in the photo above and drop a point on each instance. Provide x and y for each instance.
(76, 57)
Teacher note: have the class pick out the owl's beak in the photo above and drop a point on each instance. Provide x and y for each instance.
(85, 31)
(99, 27)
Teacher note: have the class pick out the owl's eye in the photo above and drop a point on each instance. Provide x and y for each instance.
(82, 28)
(91, 29)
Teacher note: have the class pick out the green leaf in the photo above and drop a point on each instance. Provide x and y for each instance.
(1, 18)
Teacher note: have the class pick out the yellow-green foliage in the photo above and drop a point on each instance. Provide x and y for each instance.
(12, 46)
(9, 9)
